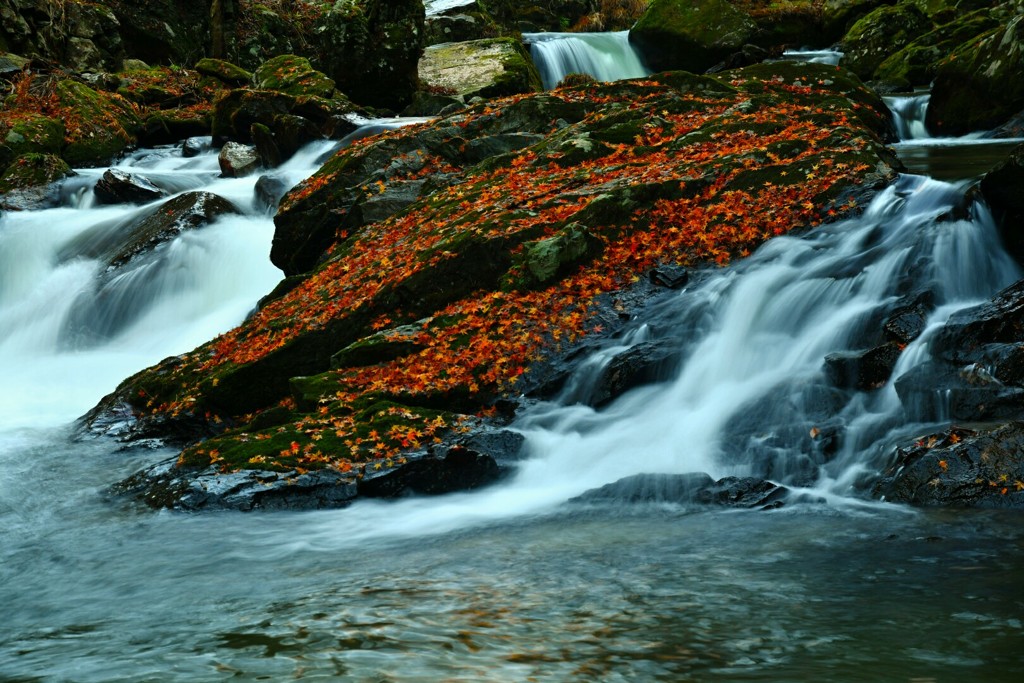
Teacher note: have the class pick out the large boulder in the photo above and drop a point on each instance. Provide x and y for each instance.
(881, 33)
(121, 187)
(81, 35)
(480, 68)
(371, 49)
(293, 76)
(692, 35)
(99, 126)
(981, 84)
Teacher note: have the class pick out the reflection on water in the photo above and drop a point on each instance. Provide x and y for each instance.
(92, 593)
(954, 159)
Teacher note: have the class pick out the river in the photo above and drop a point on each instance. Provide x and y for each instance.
(511, 583)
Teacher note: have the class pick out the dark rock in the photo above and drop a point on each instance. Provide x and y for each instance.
(863, 370)
(1000, 320)
(459, 469)
(368, 43)
(165, 485)
(1003, 189)
(187, 211)
(939, 390)
(505, 446)
(959, 468)
(268, 192)
(163, 31)
(493, 145)
(237, 160)
(456, 28)
(905, 324)
(194, 146)
(641, 364)
(690, 35)
(670, 276)
(266, 147)
(693, 488)
(120, 187)
(981, 84)
(430, 104)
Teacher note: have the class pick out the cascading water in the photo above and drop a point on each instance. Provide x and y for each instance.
(908, 114)
(605, 56)
(96, 590)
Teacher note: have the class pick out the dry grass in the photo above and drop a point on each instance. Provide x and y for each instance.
(613, 15)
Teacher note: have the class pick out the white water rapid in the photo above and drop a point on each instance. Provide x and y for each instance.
(182, 294)
(605, 56)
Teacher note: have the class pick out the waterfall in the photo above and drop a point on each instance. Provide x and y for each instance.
(831, 57)
(176, 297)
(605, 56)
(908, 114)
(750, 391)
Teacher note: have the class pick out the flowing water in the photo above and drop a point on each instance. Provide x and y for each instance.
(510, 583)
(605, 56)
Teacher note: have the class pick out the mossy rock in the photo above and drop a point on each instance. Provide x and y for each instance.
(101, 125)
(293, 76)
(164, 127)
(692, 35)
(542, 261)
(916, 64)
(33, 170)
(223, 71)
(981, 84)
(480, 68)
(33, 133)
(881, 33)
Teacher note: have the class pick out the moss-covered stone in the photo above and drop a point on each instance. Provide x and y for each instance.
(224, 71)
(876, 36)
(691, 35)
(31, 133)
(916, 64)
(101, 126)
(480, 68)
(33, 171)
(981, 84)
(293, 76)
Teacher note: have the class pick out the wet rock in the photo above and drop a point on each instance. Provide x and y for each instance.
(641, 364)
(505, 446)
(541, 261)
(165, 485)
(981, 84)
(480, 68)
(458, 469)
(1003, 189)
(194, 146)
(959, 468)
(120, 187)
(237, 160)
(696, 488)
(690, 35)
(906, 324)
(109, 124)
(669, 276)
(268, 192)
(863, 370)
(187, 211)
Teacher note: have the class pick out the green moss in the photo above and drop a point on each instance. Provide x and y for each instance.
(691, 35)
(225, 72)
(33, 170)
(34, 133)
(293, 76)
(102, 126)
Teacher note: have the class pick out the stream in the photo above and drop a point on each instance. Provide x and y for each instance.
(510, 583)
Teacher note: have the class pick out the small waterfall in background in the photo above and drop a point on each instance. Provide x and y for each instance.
(832, 57)
(605, 56)
(908, 114)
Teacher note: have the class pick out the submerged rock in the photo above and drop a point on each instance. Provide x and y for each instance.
(696, 488)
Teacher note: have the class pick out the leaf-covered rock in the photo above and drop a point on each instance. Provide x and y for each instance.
(500, 261)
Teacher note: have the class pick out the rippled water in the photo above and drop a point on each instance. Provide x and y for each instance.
(96, 590)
